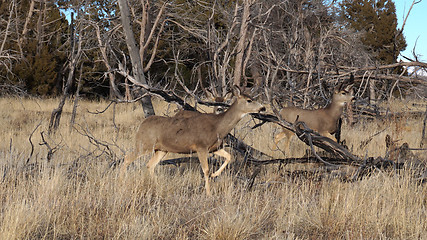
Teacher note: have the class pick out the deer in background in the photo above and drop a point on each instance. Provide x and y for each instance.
(219, 99)
(324, 120)
(201, 133)
(211, 97)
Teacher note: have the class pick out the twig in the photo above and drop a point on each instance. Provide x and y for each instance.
(50, 151)
(32, 145)
(252, 179)
(365, 142)
(102, 111)
(406, 18)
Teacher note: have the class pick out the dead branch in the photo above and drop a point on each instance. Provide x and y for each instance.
(101, 145)
(51, 150)
(406, 17)
(311, 138)
(74, 59)
(365, 142)
(305, 134)
(423, 135)
(105, 109)
(32, 145)
(371, 163)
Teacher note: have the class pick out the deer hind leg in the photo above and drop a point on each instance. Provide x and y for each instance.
(289, 135)
(327, 134)
(279, 137)
(203, 158)
(227, 156)
(285, 133)
(155, 159)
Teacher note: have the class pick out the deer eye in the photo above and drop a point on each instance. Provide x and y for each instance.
(249, 100)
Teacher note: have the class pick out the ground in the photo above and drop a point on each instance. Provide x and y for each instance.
(77, 194)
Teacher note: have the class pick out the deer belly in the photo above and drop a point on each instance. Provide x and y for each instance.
(175, 147)
(186, 144)
(215, 147)
(308, 117)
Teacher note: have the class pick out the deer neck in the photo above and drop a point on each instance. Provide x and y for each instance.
(334, 109)
(228, 120)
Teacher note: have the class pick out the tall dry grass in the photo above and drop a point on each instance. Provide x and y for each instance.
(77, 193)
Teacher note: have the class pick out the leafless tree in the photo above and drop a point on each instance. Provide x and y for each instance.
(137, 53)
(76, 52)
(9, 56)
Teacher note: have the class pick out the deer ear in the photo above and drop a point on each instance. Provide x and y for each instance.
(236, 90)
(338, 88)
(351, 80)
(349, 87)
(228, 96)
(210, 95)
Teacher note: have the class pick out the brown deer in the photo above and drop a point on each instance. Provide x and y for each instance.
(201, 133)
(324, 120)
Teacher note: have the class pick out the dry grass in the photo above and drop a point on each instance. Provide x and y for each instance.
(78, 195)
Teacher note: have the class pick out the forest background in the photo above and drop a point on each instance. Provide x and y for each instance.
(292, 47)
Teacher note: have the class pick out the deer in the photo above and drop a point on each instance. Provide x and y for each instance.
(324, 120)
(201, 133)
(219, 99)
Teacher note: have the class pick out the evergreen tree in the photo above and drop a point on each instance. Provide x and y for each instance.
(377, 20)
(37, 35)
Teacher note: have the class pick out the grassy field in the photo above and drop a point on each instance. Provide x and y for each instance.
(77, 193)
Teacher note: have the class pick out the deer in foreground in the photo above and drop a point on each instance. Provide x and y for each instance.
(201, 133)
(324, 120)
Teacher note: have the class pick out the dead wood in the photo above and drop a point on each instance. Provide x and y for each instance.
(423, 135)
(311, 137)
(74, 59)
(370, 164)
(50, 150)
(31, 142)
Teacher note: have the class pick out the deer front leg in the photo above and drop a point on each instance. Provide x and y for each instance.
(129, 158)
(203, 158)
(285, 133)
(227, 156)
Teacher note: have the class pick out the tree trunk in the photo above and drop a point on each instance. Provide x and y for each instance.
(27, 21)
(241, 44)
(40, 26)
(137, 69)
(76, 102)
(114, 91)
(6, 32)
(57, 112)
